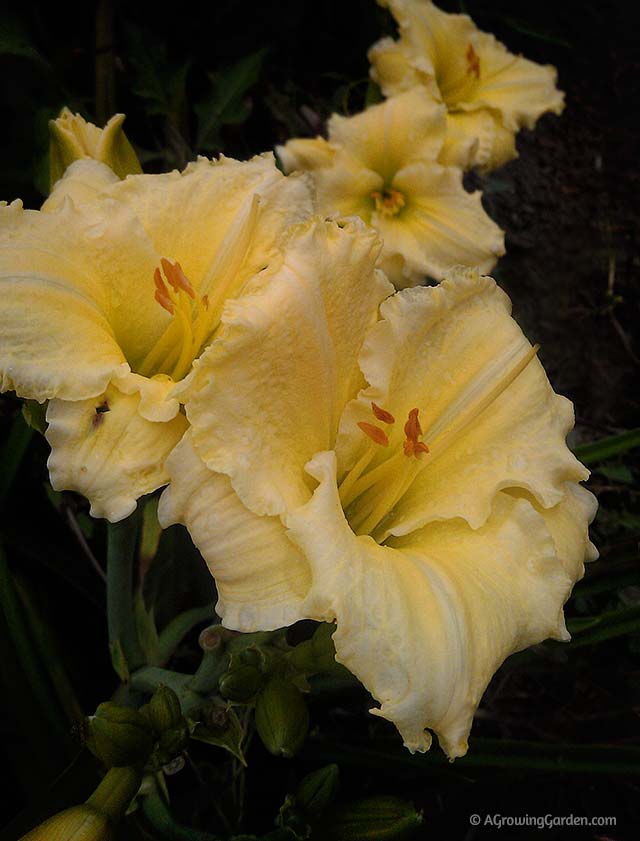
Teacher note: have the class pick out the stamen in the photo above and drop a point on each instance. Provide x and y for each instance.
(176, 277)
(413, 431)
(388, 201)
(377, 435)
(382, 414)
(473, 61)
(162, 293)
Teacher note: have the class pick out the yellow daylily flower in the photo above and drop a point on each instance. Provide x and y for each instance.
(406, 477)
(382, 165)
(489, 93)
(112, 291)
(72, 138)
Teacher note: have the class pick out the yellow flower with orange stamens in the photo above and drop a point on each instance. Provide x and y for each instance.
(384, 165)
(113, 290)
(489, 93)
(405, 477)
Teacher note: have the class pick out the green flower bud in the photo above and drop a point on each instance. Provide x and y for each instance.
(174, 741)
(163, 710)
(383, 818)
(241, 684)
(119, 736)
(282, 718)
(79, 823)
(73, 138)
(318, 789)
(95, 819)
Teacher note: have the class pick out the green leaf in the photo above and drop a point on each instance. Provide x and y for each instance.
(225, 104)
(228, 737)
(616, 473)
(118, 661)
(615, 623)
(15, 40)
(171, 636)
(525, 28)
(607, 447)
(12, 454)
(159, 84)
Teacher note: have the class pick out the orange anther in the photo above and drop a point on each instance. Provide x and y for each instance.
(205, 301)
(377, 435)
(176, 277)
(473, 60)
(412, 428)
(164, 301)
(382, 414)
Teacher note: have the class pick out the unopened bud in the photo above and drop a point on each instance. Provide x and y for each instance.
(241, 684)
(282, 718)
(383, 818)
(119, 736)
(79, 823)
(318, 789)
(72, 138)
(163, 710)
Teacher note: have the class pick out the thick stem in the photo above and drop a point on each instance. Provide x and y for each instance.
(121, 547)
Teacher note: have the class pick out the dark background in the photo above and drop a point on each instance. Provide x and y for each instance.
(192, 79)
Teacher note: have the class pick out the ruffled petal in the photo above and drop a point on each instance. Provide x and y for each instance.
(175, 209)
(386, 137)
(305, 153)
(477, 139)
(269, 392)
(261, 576)
(395, 69)
(519, 89)
(454, 352)
(448, 223)
(426, 623)
(106, 451)
(55, 338)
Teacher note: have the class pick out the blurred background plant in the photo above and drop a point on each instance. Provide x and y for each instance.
(557, 731)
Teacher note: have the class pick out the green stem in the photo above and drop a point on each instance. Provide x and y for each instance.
(212, 666)
(171, 636)
(116, 791)
(157, 813)
(121, 547)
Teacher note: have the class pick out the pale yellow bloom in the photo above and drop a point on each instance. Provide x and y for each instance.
(109, 294)
(407, 478)
(383, 166)
(72, 138)
(489, 93)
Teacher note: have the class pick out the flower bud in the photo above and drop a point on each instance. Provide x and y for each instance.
(79, 823)
(241, 684)
(163, 710)
(383, 818)
(318, 789)
(119, 736)
(282, 718)
(73, 138)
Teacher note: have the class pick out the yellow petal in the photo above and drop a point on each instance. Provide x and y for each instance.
(477, 139)
(269, 392)
(395, 68)
(519, 89)
(425, 624)
(389, 136)
(52, 309)
(72, 138)
(176, 210)
(106, 451)
(451, 351)
(447, 224)
(305, 153)
(261, 577)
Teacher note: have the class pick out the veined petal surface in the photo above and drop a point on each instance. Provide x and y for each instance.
(261, 576)
(104, 449)
(454, 353)
(269, 392)
(425, 623)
